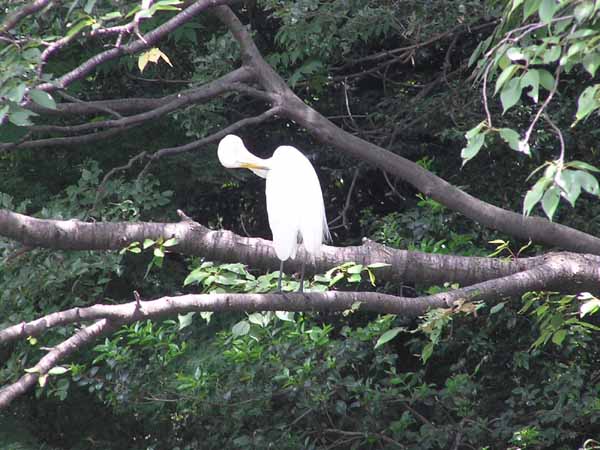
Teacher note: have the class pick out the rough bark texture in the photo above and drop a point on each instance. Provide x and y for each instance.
(195, 239)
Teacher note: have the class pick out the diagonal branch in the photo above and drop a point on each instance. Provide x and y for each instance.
(82, 338)
(145, 42)
(64, 141)
(535, 229)
(191, 146)
(207, 91)
(13, 19)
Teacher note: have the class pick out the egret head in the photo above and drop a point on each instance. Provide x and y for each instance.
(233, 154)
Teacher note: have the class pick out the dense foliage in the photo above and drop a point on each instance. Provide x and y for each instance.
(522, 373)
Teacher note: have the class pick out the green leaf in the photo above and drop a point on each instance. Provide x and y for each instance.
(534, 195)
(378, 265)
(58, 370)
(547, 10)
(185, 320)
(427, 352)
(3, 112)
(589, 307)
(583, 166)
(89, 6)
(475, 55)
(530, 7)
(256, 318)
(111, 15)
(159, 253)
(559, 336)
(511, 137)
(240, 329)
(511, 94)
(196, 276)
(550, 201)
(587, 103)
(515, 5)
(170, 242)
(77, 27)
(17, 93)
(532, 79)
(42, 98)
(358, 268)
(506, 75)
(286, 316)
(148, 243)
(388, 336)
(583, 11)
(497, 308)
(473, 147)
(551, 54)
(587, 181)
(475, 130)
(206, 315)
(516, 54)
(570, 185)
(590, 62)
(546, 79)
(33, 370)
(21, 118)
(354, 278)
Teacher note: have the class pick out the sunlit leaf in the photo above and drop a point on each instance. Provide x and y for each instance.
(550, 201)
(42, 98)
(241, 328)
(185, 320)
(511, 137)
(388, 336)
(511, 94)
(58, 370)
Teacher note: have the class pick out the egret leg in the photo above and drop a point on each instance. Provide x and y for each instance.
(301, 287)
(280, 276)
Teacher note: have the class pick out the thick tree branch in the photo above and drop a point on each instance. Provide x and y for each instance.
(195, 239)
(535, 229)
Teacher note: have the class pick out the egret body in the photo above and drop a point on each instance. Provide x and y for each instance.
(294, 199)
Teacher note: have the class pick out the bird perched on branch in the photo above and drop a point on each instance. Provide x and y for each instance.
(294, 198)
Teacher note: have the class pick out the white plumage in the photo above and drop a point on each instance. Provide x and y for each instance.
(294, 198)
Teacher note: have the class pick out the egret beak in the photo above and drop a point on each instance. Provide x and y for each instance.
(253, 166)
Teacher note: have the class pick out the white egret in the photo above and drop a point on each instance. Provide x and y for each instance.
(294, 199)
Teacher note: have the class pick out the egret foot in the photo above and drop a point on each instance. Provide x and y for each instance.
(279, 279)
(301, 287)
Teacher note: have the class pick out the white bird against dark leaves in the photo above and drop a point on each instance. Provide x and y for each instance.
(294, 198)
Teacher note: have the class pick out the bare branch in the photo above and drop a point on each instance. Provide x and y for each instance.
(210, 90)
(79, 340)
(64, 141)
(542, 108)
(92, 105)
(216, 136)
